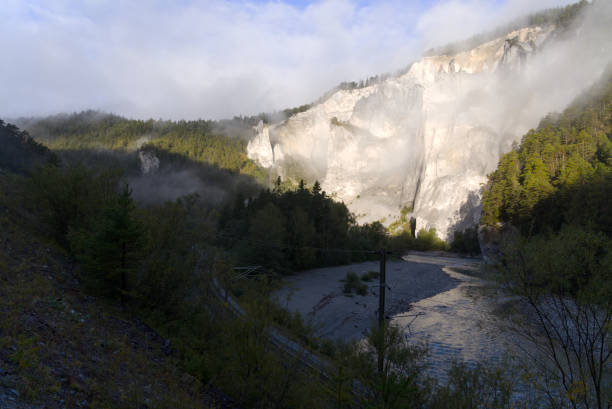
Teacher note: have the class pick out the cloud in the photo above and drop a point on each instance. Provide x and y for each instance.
(447, 21)
(216, 58)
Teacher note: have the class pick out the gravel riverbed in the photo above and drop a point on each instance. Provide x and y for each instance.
(318, 295)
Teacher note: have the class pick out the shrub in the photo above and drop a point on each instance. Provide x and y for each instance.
(428, 240)
(466, 241)
(370, 275)
(352, 282)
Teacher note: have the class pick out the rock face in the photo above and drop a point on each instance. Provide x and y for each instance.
(259, 148)
(426, 139)
(149, 163)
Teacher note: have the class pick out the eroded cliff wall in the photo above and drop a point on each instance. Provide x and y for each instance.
(426, 139)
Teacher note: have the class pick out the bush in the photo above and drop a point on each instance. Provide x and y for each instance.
(370, 275)
(466, 241)
(399, 382)
(362, 289)
(352, 282)
(428, 240)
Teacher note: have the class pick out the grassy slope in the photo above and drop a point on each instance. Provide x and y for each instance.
(61, 348)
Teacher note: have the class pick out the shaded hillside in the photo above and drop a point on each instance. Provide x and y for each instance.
(200, 141)
(63, 348)
(161, 160)
(80, 260)
(157, 175)
(20, 151)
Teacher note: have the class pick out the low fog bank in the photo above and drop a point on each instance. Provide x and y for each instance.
(156, 176)
(52, 126)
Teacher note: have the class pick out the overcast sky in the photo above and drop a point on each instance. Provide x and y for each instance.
(216, 59)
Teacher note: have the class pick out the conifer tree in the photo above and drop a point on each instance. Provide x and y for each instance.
(112, 250)
(536, 184)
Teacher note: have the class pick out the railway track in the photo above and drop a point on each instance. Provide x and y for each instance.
(281, 342)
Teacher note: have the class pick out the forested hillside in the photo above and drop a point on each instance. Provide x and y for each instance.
(556, 188)
(19, 151)
(562, 172)
(200, 141)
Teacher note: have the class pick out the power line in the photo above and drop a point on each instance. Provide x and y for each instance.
(267, 245)
(287, 247)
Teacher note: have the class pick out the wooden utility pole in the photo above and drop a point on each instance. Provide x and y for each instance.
(383, 284)
(381, 303)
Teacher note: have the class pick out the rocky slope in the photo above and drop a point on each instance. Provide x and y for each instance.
(426, 139)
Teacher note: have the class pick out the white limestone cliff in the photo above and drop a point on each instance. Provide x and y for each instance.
(259, 148)
(426, 139)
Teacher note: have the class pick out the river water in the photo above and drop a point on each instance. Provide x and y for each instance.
(465, 324)
(456, 315)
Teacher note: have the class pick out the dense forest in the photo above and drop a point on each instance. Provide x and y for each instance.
(561, 173)
(299, 229)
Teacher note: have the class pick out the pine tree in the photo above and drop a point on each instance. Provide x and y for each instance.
(577, 170)
(511, 188)
(268, 231)
(278, 185)
(316, 188)
(536, 184)
(113, 249)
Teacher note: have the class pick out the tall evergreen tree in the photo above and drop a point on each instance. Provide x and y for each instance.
(112, 251)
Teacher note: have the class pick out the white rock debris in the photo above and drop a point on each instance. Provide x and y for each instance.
(149, 163)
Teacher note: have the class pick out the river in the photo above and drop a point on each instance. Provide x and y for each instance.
(466, 323)
(457, 315)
